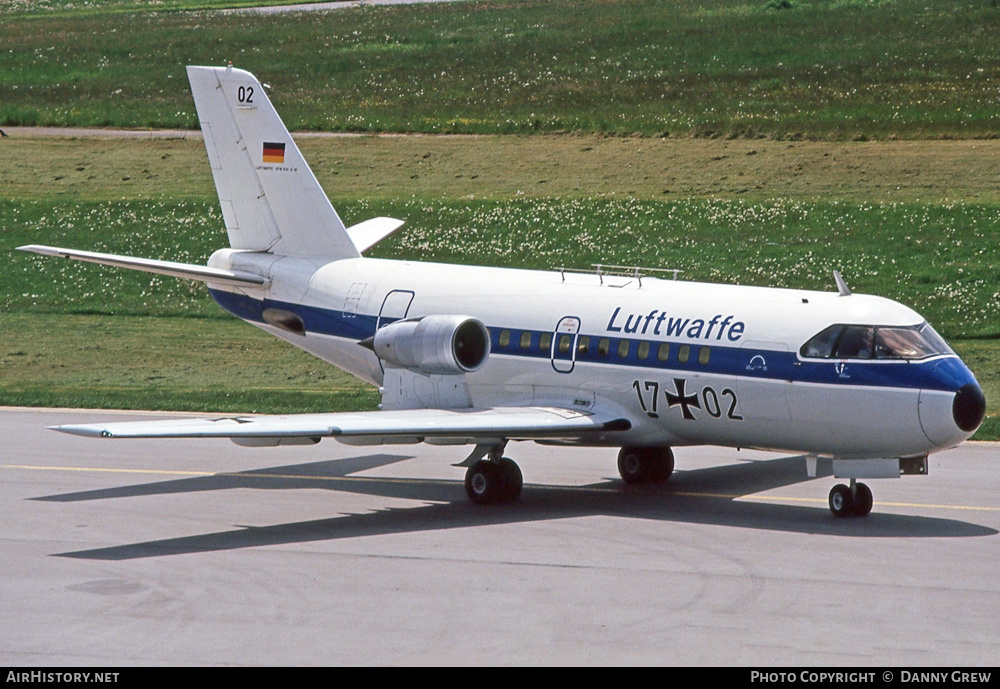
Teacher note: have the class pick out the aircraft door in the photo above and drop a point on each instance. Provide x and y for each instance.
(395, 306)
(564, 339)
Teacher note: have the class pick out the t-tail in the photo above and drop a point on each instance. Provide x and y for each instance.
(271, 201)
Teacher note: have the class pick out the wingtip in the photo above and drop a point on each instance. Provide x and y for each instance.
(85, 431)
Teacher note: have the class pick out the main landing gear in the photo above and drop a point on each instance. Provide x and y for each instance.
(493, 481)
(851, 501)
(645, 464)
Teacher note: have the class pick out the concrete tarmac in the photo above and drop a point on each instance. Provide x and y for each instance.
(143, 552)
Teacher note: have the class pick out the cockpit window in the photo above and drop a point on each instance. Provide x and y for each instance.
(855, 343)
(909, 343)
(822, 345)
(879, 342)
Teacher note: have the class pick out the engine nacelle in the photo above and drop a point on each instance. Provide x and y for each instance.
(445, 345)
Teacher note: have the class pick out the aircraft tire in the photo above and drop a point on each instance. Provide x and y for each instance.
(841, 501)
(863, 500)
(633, 465)
(490, 483)
(645, 464)
(512, 479)
(482, 483)
(663, 464)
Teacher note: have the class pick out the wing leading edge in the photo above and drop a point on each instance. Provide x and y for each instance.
(187, 271)
(412, 425)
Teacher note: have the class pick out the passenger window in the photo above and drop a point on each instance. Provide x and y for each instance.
(663, 353)
(504, 338)
(525, 340)
(683, 354)
(565, 342)
(703, 355)
(604, 346)
(623, 348)
(643, 351)
(583, 346)
(545, 342)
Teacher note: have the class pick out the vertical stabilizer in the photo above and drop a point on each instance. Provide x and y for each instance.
(270, 198)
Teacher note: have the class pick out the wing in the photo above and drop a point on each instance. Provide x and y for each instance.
(188, 271)
(363, 428)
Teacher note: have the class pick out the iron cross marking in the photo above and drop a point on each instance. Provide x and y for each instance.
(685, 401)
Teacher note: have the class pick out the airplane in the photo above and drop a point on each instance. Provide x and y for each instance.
(481, 356)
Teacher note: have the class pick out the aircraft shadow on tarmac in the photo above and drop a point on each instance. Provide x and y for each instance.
(698, 496)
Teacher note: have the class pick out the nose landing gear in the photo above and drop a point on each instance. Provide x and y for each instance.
(851, 501)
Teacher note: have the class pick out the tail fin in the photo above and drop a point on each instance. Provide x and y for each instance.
(270, 198)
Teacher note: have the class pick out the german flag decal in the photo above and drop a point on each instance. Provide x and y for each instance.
(274, 153)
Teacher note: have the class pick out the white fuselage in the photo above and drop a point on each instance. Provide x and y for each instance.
(687, 363)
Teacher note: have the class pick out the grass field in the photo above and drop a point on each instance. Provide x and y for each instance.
(940, 260)
(916, 226)
(131, 362)
(85, 7)
(840, 69)
(836, 135)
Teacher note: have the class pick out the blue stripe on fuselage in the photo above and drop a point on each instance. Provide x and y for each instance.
(353, 326)
(939, 373)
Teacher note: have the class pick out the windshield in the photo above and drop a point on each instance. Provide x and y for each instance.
(875, 342)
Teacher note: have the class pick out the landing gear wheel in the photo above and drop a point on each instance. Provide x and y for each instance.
(841, 501)
(482, 482)
(863, 500)
(645, 464)
(490, 483)
(632, 465)
(512, 479)
(663, 465)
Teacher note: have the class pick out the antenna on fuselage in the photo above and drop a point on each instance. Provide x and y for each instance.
(842, 287)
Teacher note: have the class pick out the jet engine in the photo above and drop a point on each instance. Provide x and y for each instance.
(445, 345)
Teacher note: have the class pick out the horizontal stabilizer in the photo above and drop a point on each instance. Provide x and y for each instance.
(367, 234)
(188, 271)
(468, 425)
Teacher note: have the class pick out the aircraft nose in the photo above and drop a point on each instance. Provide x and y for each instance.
(952, 404)
(969, 407)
